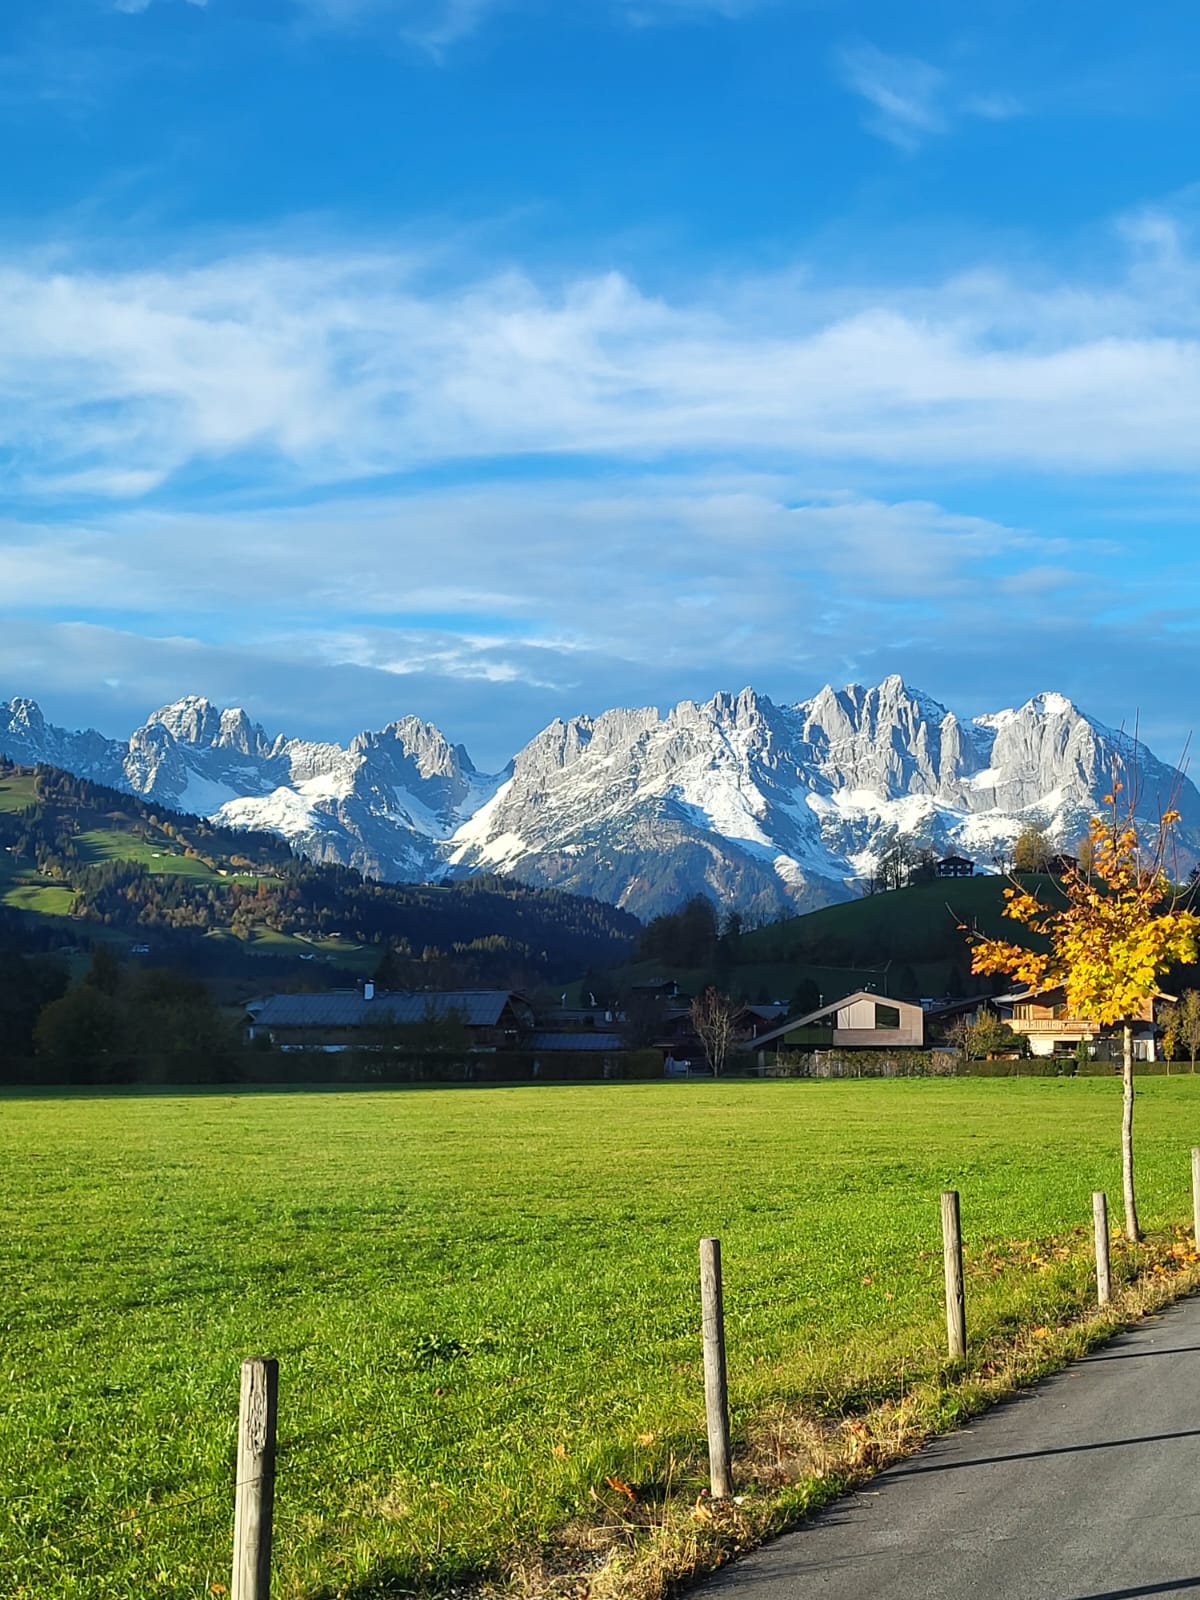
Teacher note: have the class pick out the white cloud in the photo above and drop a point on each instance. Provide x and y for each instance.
(905, 93)
(911, 100)
(136, 7)
(595, 559)
(316, 369)
(495, 607)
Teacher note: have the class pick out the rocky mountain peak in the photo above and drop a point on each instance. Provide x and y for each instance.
(743, 709)
(196, 721)
(1050, 705)
(432, 754)
(558, 746)
(762, 806)
(192, 719)
(25, 714)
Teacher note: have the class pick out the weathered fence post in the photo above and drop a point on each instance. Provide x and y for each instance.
(1100, 1228)
(1196, 1196)
(255, 1489)
(956, 1308)
(716, 1393)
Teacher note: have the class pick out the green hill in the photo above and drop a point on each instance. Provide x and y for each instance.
(913, 935)
(907, 942)
(78, 859)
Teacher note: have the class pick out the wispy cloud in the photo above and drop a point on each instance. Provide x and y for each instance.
(437, 24)
(136, 7)
(300, 370)
(904, 93)
(643, 12)
(911, 100)
(643, 587)
(432, 24)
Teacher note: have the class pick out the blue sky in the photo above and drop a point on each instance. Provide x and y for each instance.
(495, 360)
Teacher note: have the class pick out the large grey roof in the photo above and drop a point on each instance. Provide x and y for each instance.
(481, 1008)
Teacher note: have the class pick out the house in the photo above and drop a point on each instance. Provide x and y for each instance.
(862, 1020)
(1058, 864)
(495, 1019)
(1042, 1016)
(759, 1017)
(955, 867)
(657, 989)
(945, 1010)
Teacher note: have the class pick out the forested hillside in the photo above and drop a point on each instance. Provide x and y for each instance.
(908, 943)
(91, 858)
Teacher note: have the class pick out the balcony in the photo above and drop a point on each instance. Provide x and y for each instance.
(1053, 1025)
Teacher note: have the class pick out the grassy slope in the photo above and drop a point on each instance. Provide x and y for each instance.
(21, 886)
(906, 923)
(24, 889)
(844, 947)
(16, 793)
(484, 1302)
(112, 844)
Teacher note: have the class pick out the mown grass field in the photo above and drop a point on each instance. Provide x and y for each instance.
(484, 1302)
(23, 888)
(114, 844)
(16, 793)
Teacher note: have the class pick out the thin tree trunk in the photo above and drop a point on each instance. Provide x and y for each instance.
(1132, 1232)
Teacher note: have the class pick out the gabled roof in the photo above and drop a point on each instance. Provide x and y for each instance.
(958, 1008)
(1053, 988)
(479, 1008)
(765, 1010)
(834, 1008)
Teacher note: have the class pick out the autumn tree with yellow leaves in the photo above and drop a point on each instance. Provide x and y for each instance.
(1118, 932)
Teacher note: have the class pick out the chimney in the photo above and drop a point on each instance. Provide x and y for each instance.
(368, 990)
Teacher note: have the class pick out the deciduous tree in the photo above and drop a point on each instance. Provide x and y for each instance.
(713, 1017)
(1168, 1021)
(982, 1036)
(1031, 851)
(1119, 930)
(1188, 1018)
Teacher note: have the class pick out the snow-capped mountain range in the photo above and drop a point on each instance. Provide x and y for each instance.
(766, 807)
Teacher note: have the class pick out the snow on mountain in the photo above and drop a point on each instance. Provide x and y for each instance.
(763, 806)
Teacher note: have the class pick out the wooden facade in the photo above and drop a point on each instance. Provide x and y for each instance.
(859, 1021)
(1045, 1020)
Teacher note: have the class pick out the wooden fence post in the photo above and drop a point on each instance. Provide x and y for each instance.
(716, 1393)
(1196, 1197)
(1100, 1228)
(255, 1489)
(956, 1309)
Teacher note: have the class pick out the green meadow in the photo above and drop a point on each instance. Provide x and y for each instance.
(484, 1302)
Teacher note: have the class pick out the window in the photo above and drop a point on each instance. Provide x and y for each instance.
(887, 1016)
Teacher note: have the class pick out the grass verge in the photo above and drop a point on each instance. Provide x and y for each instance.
(654, 1541)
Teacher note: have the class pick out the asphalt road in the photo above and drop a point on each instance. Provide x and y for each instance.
(1085, 1488)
